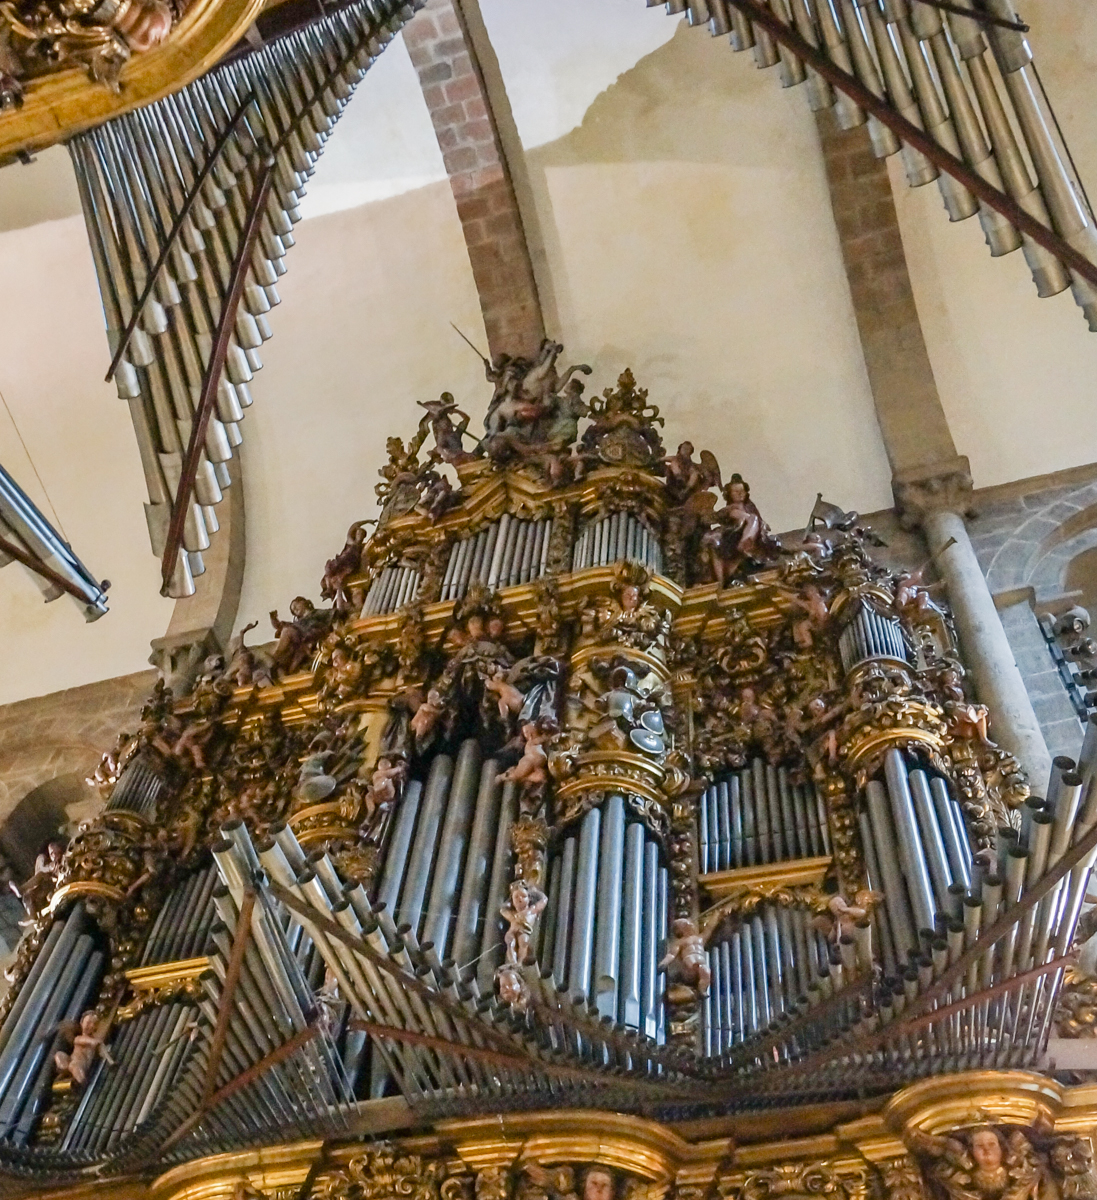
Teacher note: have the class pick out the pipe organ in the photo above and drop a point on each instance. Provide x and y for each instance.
(589, 804)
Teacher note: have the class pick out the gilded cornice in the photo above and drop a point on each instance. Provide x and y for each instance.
(60, 105)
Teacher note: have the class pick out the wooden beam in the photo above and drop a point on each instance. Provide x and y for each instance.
(908, 132)
(204, 409)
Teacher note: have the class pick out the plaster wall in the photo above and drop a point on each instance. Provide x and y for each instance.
(687, 229)
(53, 355)
(1015, 373)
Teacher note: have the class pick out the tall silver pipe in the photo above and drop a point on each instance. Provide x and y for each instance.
(876, 883)
(737, 1028)
(452, 844)
(932, 840)
(632, 952)
(953, 831)
(735, 822)
(491, 945)
(821, 813)
(651, 937)
(723, 801)
(746, 788)
(55, 959)
(396, 855)
(774, 959)
(703, 831)
(607, 959)
(18, 1082)
(788, 814)
(750, 1017)
(580, 957)
(425, 844)
(761, 973)
(911, 853)
(562, 931)
(477, 873)
(762, 831)
(895, 896)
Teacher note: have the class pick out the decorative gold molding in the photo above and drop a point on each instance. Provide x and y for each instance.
(144, 979)
(952, 1101)
(60, 105)
(799, 872)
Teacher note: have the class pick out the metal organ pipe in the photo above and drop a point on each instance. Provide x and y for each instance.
(759, 815)
(911, 852)
(451, 847)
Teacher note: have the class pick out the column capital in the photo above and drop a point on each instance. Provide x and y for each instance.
(941, 486)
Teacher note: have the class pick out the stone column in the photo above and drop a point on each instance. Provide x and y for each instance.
(931, 482)
(985, 648)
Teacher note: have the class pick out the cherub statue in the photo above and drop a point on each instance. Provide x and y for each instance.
(509, 698)
(344, 676)
(426, 716)
(338, 570)
(36, 891)
(87, 1044)
(685, 962)
(842, 916)
(812, 602)
(685, 478)
(298, 637)
(448, 443)
(981, 1164)
(385, 784)
(531, 770)
(513, 989)
(527, 902)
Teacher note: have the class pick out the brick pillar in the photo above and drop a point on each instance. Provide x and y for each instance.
(449, 71)
(912, 421)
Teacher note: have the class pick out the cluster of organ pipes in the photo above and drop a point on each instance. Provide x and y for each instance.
(506, 552)
(970, 85)
(621, 535)
(871, 635)
(606, 919)
(760, 815)
(761, 972)
(394, 587)
(166, 193)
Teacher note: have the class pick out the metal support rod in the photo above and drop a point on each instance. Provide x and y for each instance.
(226, 325)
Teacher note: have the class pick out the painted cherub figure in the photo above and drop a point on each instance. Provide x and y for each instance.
(426, 716)
(510, 699)
(810, 601)
(527, 902)
(531, 770)
(685, 962)
(87, 1044)
(842, 915)
(36, 891)
(385, 784)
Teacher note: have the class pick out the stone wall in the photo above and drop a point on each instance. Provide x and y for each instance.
(64, 734)
(1033, 539)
